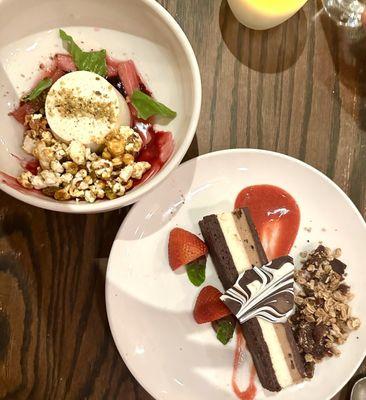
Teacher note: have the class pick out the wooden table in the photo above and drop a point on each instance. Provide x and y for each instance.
(298, 89)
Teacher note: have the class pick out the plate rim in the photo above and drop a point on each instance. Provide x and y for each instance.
(270, 153)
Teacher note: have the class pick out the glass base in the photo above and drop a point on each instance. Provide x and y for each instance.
(345, 12)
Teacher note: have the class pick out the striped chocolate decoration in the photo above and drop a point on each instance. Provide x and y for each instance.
(266, 292)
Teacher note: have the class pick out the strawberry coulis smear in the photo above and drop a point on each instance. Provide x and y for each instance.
(250, 392)
(275, 214)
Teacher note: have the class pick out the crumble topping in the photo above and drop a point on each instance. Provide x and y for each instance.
(69, 105)
(323, 318)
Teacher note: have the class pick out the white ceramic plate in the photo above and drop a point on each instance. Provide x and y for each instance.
(141, 30)
(150, 307)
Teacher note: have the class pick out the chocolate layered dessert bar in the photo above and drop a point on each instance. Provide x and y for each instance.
(235, 247)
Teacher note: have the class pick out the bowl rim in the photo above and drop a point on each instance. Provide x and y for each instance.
(133, 196)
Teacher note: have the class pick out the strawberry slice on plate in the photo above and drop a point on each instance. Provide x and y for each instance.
(184, 247)
(209, 307)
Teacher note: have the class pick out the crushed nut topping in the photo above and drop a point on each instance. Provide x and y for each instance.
(67, 104)
(75, 172)
(322, 318)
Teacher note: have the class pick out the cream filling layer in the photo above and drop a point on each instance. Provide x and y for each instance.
(242, 263)
(234, 242)
(278, 359)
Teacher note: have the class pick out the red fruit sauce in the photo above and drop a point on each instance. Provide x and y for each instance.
(158, 146)
(14, 184)
(157, 152)
(276, 216)
(250, 392)
(29, 165)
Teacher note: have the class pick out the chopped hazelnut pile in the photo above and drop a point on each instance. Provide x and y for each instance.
(73, 171)
(322, 318)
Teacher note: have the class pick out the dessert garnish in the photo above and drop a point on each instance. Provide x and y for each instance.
(323, 317)
(224, 328)
(196, 271)
(146, 106)
(209, 307)
(185, 248)
(266, 292)
(92, 61)
(89, 127)
(42, 85)
(235, 247)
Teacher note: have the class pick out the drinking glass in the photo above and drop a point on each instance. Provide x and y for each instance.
(345, 12)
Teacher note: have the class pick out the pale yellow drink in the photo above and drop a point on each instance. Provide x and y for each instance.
(264, 14)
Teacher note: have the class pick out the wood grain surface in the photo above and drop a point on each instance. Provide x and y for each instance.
(297, 89)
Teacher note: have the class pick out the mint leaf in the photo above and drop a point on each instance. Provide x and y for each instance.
(93, 61)
(41, 86)
(146, 106)
(196, 271)
(225, 331)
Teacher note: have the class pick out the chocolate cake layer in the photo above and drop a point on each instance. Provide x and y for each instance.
(235, 247)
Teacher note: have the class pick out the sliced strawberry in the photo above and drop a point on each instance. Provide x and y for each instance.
(209, 307)
(184, 247)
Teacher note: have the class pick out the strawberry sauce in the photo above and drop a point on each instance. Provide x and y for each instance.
(275, 214)
(156, 152)
(14, 184)
(250, 392)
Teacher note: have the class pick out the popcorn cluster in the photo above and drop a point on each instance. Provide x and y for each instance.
(73, 171)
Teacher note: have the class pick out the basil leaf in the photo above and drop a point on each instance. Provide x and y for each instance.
(93, 61)
(41, 86)
(196, 271)
(225, 331)
(146, 106)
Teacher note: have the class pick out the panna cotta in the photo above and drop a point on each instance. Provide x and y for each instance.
(85, 107)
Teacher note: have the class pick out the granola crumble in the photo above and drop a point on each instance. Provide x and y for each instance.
(323, 319)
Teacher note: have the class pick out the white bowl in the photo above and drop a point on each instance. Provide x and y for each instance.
(142, 30)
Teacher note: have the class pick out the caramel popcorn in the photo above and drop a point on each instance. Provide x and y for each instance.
(74, 171)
